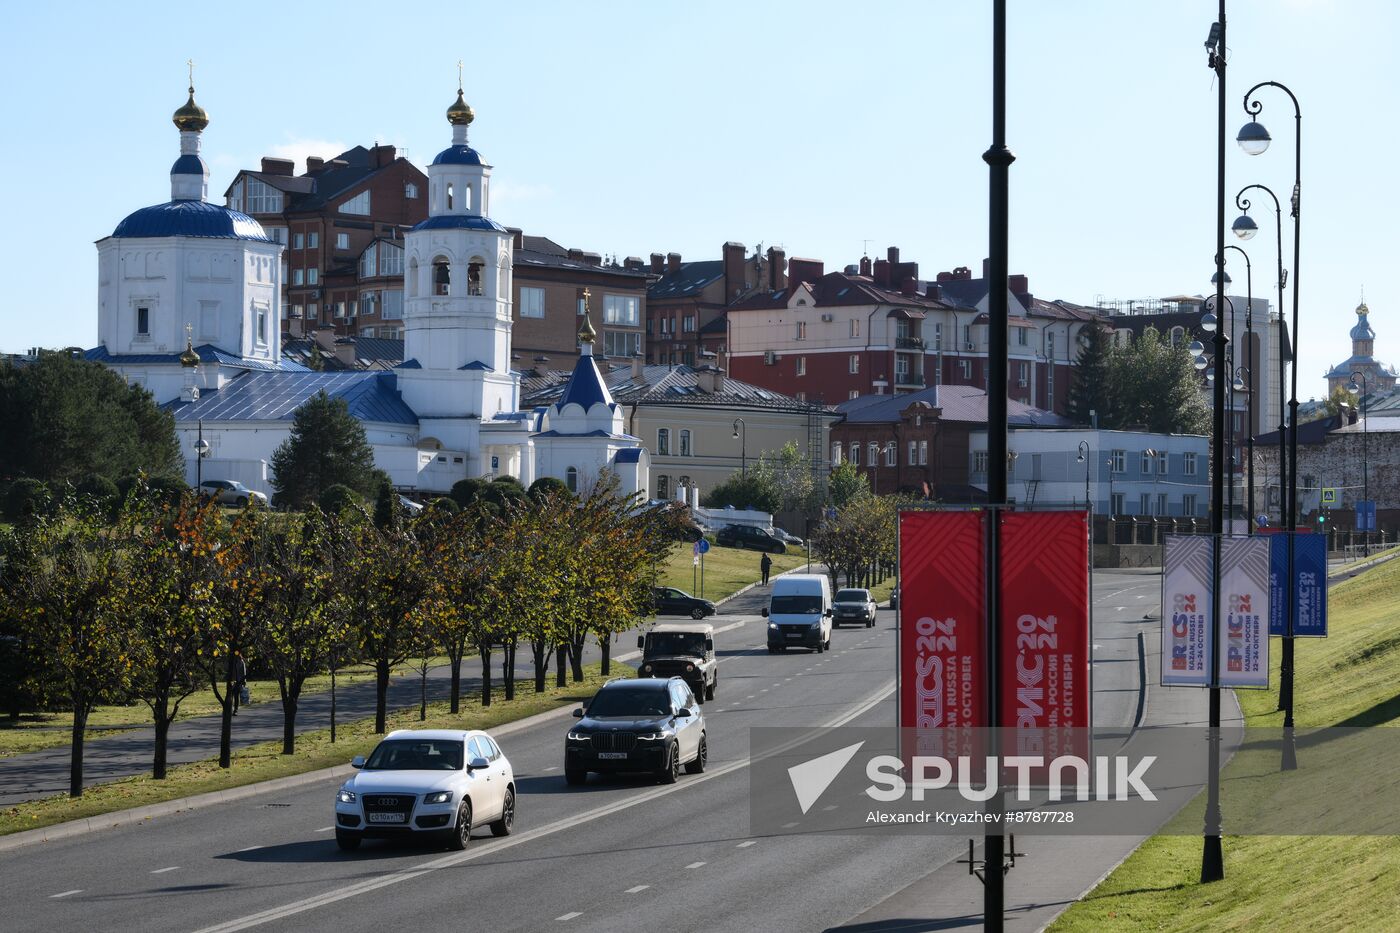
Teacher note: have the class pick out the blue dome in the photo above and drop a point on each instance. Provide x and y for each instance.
(188, 164)
(457, 155)
(459, 222)
(1362, 330)
(191, 218)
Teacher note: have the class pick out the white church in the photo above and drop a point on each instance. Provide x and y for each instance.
(189, 298)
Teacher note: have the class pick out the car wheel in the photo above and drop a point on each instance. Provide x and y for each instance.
(697, 613)
(671, 772)
(241, 501)
(698, 765)
(710, 688)
(348, 842)
(828, 643)
(503, 826)
(462, 832)
(575, 777)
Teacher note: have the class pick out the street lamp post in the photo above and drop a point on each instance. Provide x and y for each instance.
(1362, 391)
(201, 449)
(741, 433)
(1254, 139)
(1244, 381)
(1084, 459)
(1249, 378)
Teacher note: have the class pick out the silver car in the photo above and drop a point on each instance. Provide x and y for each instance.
(231, 492)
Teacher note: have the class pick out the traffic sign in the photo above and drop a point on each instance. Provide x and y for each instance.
(1329, 495)
(702, 546)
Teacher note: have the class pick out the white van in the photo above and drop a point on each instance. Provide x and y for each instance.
(799, 612)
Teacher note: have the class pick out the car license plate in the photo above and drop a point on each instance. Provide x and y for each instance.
(794, 634)
(386, 817)
(612, 755)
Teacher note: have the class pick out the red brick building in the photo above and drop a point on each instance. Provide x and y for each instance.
(686, 301)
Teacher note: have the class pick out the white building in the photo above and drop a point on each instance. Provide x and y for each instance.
(187, 294)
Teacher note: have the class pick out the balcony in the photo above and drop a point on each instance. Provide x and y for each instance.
(909, 379)
(909, 343)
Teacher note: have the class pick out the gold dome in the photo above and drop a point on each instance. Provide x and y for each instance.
(586, 333)
(189, 358)
(1361, 309)
(191, 116)
(460, 114)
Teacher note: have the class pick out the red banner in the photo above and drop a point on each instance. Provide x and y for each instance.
(942, 610)
(1045, 641)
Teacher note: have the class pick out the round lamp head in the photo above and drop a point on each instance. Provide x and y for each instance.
(1208, 322)
(1215, 280)
(201, 447)
(1253, 138)
(1238, 384)
(1244, 227)
(1200, 363)
(1353, 388)
(1196, 348)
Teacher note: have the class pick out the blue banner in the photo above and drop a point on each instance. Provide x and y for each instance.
(1310, 584)
(1366, 515)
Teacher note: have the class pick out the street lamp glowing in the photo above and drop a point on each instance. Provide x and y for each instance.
(1253, 138)
(1244, 227)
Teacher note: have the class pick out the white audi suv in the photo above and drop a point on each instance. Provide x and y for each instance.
(428, 783)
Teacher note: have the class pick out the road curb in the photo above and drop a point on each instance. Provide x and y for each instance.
(742, 590)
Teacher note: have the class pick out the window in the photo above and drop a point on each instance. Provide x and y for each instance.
(855, 454)
(359, 204)
(979, 461)
(449, 196)
(685, 442)
(143, 322)
(835, 454)
(1021, 333)
(1188, 504)
(390, 259)
(366, 331)
(872, 451)
(1050, 345)
(392, 307)
(966, 367)
(313, 239)
(854, 363)
(1189, 466)
(313, 276)
(891, 454)
(1145, 504)
(688, 324)
(571, 479)
(901, 367)
(663, 487)
(442, 277)
(923, 453)
(622, 343)
(474, 277)
(262, 325)
(369, 262)
(263, 198)
(802, 366)
(938, 336)
(410, 191)
(1178, 336)
(801, 330)
(1161, 503)
(297, 311)
(663, 441)
(967, 334)
(855, 327)
(531, 302)
(1115, 504)
(623, 309)
(1022, 372)
(1118, 461)
(278, 234)
(342, 241)
(801, 396)
(913, 455)
(298, 240)
(1147, 461)
(853, 394)
(1163, 466)
(298, 276)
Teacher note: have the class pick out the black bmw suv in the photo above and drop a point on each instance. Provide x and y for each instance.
(638, 725)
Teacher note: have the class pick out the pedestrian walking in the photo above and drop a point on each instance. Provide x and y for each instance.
(765, 565)
(240, 682)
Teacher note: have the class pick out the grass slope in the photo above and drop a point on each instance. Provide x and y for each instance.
(727, 569)
(1351, 678)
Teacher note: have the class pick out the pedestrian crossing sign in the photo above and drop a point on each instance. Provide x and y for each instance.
(1329, 495)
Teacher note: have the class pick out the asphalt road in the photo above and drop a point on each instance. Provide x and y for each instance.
(617, 854)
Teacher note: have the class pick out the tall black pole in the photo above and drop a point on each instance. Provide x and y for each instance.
(1365, 457)
(1286, 671)
(1212, 857)
(1249, 376)
(998, 159)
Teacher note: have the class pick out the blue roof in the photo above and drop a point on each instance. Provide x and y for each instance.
(476, 364)
(207, 353)
(597, 432)
(460, 222)
(409, 364)
(585, 386)
(191, 218)
(630, 455)
(371, 396)
(457, 155)
(188, 164)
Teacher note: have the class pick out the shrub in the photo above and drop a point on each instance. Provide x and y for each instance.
(337, 498)
(99, 488)
(465, 491)
(546, 486)
(26, 498)
(446, 505)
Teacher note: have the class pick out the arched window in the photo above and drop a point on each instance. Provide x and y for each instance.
(836, 455)
(474, 277)
(685, 447)
(571, 479)
(466, 197)
(413, 278)
(890, 454)
(663, 442)
(449, 195)
(1178, 336)
(873, 453)
(442, 276)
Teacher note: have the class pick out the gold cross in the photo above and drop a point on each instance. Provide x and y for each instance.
(190, 62)
(459, 75)
(586, 295)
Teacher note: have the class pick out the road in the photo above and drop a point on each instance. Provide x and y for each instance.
(617, 854)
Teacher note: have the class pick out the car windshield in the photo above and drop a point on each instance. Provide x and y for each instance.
(630, 701)
(852, 596)
(692, 643)
(792, 605)
(417, 755)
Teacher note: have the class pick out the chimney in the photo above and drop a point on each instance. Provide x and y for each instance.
(1018, 284)
(541, 366)
(673, 262)
(637, 364)
(325, 337)
(592, 259)
(962, 273)
(382, 155)
(733, 270)
(576, 255)
(271, 166)
(892, 254)
(934, 290)
(658, 264)
(986, 268)
(345, 352)
(882, 273)
(804, 270)
(517, 238)
(910, 286)
(777, 268)
(710, 379)
(865, 266)
(632, 264)
(313, 164)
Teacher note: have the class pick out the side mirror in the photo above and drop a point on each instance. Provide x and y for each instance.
(685, 711)
(710, 645)
(477, 764)
(763, 612)
(641, 641)
(358, 761)
(827, 612)
(578, 713)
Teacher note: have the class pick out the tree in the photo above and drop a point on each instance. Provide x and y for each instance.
(1339, 402)
(754, 489)
(63, 418)
(1155, 386)
(465, 491)
(25, 499)
(460, 557)
(789, 474)
(337, 498)
(503, 491)
(522, 583)
(547, 486)
(862, 537)
(388, 511)
(846, 484)
(327, 445)
(1089, 380)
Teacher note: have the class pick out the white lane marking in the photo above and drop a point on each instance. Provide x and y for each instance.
(249, 848)
(830, 808)
(637, 890)
(408, 874)
(551, 768)
(695, 864)
(65, 894)
(570, 915)
(745, 845)
(749, 697)
(161, 871)
(326, 829)
(789, 825)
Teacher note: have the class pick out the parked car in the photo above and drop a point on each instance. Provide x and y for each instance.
(231, 492)
(799, 612)
(853, 606)
(409, 506)
(685, 650)
(638, 725)
(428, 783)
(669, 601)
(747, 536)
(787, 537)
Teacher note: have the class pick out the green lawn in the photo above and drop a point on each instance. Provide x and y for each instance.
(727, 569)
(1350, 678)
(314, 751)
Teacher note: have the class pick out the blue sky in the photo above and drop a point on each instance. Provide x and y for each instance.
(629, 128)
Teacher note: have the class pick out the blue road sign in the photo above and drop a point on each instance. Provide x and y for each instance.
(1366, 515)
(1310, 585)
(702, 546)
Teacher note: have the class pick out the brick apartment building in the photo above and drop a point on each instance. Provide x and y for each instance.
(686, 301)
(343, 222)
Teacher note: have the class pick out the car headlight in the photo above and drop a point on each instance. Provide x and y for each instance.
(653, 736)
(578, 736)
(441, 796)
(689, 668)
(773, 626)
(345, 795)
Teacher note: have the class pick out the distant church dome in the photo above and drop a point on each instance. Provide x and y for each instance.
(191, 218)
(1362, 330)
(460, 115)
(191, 116)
